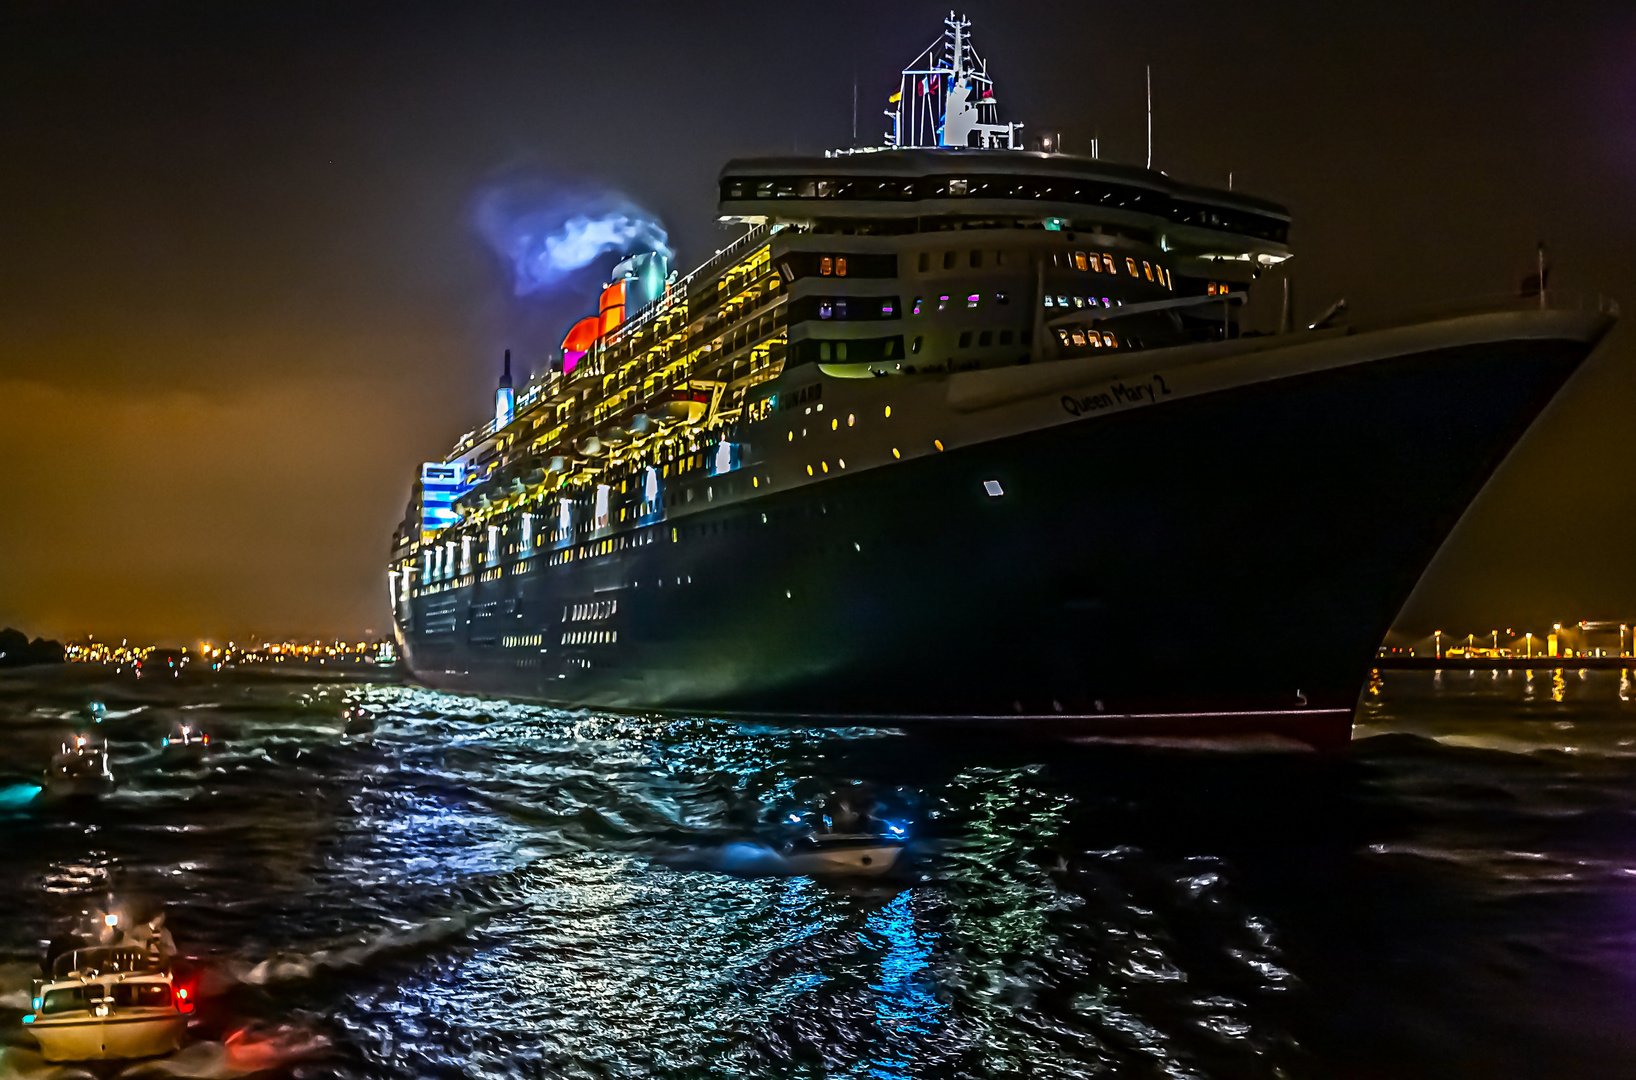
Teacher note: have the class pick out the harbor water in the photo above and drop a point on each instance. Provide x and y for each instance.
(439, 886)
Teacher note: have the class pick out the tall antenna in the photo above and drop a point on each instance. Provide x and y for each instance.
(854, 105)
(1150, 116)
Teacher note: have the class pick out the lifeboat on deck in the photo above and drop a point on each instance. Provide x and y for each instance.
(679, 406)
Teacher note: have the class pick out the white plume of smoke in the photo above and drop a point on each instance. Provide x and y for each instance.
(545, 232)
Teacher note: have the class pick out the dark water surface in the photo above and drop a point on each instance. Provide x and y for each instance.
(477, 888)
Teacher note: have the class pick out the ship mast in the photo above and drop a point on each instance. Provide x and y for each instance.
(946, 96)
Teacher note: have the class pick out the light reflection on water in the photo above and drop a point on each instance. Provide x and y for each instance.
(482, 888)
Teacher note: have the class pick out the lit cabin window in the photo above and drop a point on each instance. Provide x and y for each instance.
(806, 189)
(1107, 260)
(1096, 263)
(1107, 339)
(826, 266)
(958, 187)
(1062, 301)
(1130, 264)
(1210, 289)
(1079, 337)
(826, 189)
(1049, 302)
(840, 353)
(825, 309)
(1147, 270)
(1079, 301)
(823, 350)
(1080, 262)
(888, 308)
(1062, 335)
(840, 266)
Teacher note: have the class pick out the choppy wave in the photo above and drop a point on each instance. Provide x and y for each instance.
(497, 889)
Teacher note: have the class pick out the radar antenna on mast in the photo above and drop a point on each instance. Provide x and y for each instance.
(945, 97)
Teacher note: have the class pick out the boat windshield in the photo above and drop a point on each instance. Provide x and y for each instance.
(107, 958)
(142, 994)
(65, 999)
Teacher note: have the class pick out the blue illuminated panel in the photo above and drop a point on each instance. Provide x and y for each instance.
(440, 485)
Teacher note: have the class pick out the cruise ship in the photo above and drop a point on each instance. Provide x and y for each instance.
(964, 432)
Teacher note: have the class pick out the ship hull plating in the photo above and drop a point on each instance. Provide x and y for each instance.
(1219, 566)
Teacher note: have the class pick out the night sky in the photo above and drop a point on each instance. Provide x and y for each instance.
(242, 295)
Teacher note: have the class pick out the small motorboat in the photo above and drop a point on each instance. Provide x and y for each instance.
(80, 768)
(358, 720)
(185, 741)
(111, 995)
(828, 854)
(846, 838)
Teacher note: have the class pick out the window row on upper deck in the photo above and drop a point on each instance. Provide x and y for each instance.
(1069, 190)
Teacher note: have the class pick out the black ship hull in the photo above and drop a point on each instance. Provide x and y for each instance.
(1222, 565)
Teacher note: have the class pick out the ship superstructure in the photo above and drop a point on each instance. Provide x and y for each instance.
(956, 429)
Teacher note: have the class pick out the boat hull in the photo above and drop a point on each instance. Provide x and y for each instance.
(1222, 566)
(117, 1036)
(844, 861)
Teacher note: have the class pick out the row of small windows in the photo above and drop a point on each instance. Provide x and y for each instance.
(800, 264)
(602, 609)
(974, 260)
(971, 301)
(1078, 302)
(1085, 262)
(1098, 193)
(591, 637)
(1107, 264)
(844, 307)
(852, 352)
(522, 641)
(1080, 338)
(985, 339)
